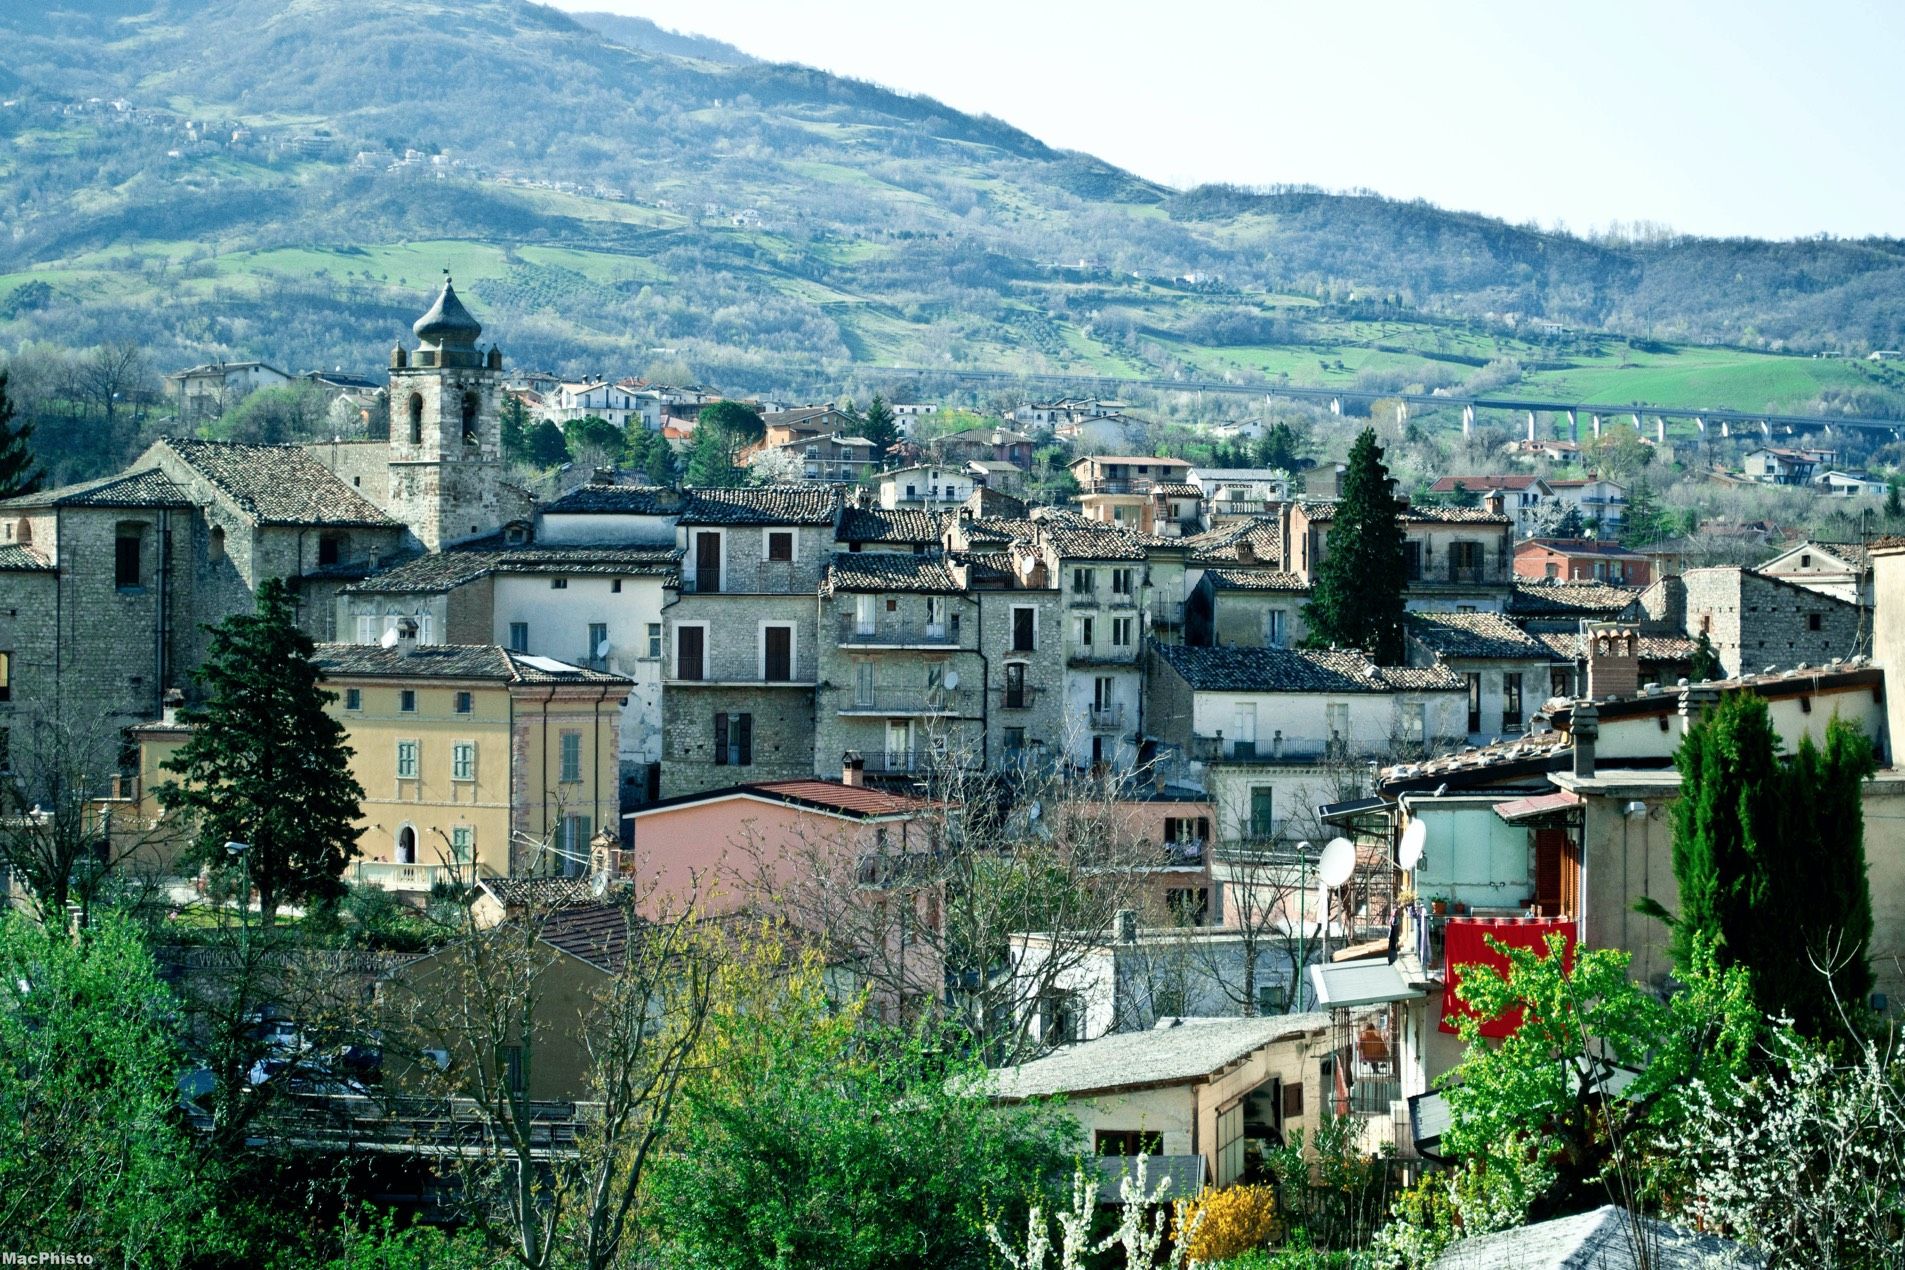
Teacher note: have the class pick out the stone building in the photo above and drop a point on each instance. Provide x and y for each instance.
(1504, 670)
(742, 636)
(1755, 621)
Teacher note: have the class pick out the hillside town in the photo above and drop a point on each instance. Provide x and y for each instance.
(1263, 859)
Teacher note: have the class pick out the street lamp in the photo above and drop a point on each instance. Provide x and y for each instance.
(241, 852)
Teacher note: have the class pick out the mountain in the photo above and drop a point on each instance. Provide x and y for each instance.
(286, 180)
(640, 33)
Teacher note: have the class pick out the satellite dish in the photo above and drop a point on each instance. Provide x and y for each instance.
(952, 679)
(390, 638)
(599, 884)
(1414, 838)
(602, 649)
(1337, 863)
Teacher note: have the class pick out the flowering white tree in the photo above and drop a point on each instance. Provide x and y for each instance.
(1139, 1239)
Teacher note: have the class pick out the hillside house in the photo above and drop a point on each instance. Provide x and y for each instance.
(205, 392)
(1527, 498)
(1842, 570)
(1581, 560)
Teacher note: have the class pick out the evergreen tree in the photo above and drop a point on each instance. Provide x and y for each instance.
(1646, 520)
(547, 446)
(515, 419)
(1569, 524)
(1770, 860)
(711, 460)
(265, 764)
(1278, 447)
(879, 426)
(1358, 596)
(19, 474)
(1894, 502)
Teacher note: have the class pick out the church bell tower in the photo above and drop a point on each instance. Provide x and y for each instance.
(446, 436)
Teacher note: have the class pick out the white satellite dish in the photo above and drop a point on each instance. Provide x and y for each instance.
(1414, 838)
(599, 884)
(1337, 863)
(952, 679)
(390, 638)
(602, 650)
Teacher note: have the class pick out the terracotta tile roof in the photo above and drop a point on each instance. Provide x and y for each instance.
(1130, 458)
(1298, 670)
(880, 524)
(1076, 538)
(538, 892)
(597, 933)
(148, 488)
(1481, 484)
(999, 529)
(277, 484)
(1580, 547)
(17, 559)
(763, 505)
(452, 661)
(618, 500)
(1559, 598)
(835, 797)
(1539, 752)
(1255, 580)
(1323, 513)
(1221, 545)
(1178, 489)
(988, 569)
(447, 570)
(1485, 635)
(889, 571)
(1567, 646)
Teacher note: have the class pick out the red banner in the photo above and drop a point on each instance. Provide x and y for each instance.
(1465, 943)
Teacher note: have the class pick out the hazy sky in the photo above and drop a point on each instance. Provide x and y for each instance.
(1734, 117)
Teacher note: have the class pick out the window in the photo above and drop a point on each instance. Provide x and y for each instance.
(733, 740)
(576, 832)
(416, 418)
(1127, 1142)
(1015, 741)
(1474, 679)
(6, 676)
(1024, 630)
(690, 652)
(1412, 561)
(706, 577)
(408, 759)
(780, 545)
(571, 749)
(1017, 695)
(1511, 701)
(615, 586)
(463, 844)
(558, 584)
(1189, 906)
(353, 698)
(1274, 628)
(1813, 621)
(1121, 581)
(1230, 1144)
(463, 761)
(598, 644)
(216, 547)
(1805, 561)
(1121, 630)
(1059, 1018)
(1337, 714)
(777, 653)
(1081, 582)
(513, 1068)
(128, 547)
(654, 641)
(519, 637)
(935, 615)
(471, 405)
(1551, 570)
(330, 549)
(1465, 562)
(407, 700)
(1082, 632)
(1263, 807)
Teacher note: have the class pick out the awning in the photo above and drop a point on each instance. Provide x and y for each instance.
(1344, 985)
(1526, 809)
(1354, 809)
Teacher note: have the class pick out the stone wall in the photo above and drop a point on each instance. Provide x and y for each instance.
(1755, 621)
(783, 736)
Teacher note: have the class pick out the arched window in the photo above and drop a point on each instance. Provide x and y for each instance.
(217, 548)
(416, 418)
(471, 405)
(406, 845)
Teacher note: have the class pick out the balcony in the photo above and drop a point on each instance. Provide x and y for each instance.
(1222, 749)
(907, 702)
(403, 877)
(1102, 655)
(880, 762)
(1167, 612)
(853, 633)
(1241, 507)
(1107, 718)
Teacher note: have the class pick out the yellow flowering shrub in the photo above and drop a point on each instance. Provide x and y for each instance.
(1227, 1223)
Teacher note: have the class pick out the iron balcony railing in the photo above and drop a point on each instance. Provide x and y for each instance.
(1103, 717)
(907, 701)
(854, 632)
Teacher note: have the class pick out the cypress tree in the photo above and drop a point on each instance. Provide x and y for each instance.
(19, 474)
(879, 427)
(1770, 860)
(265, 764)
(1358, 597)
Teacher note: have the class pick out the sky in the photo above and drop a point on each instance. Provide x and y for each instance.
(1716, 117)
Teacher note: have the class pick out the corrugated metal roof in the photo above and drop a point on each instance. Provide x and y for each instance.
(1344, 985)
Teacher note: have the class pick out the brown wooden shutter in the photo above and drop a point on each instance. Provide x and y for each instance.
(745, 722)
(721, 740)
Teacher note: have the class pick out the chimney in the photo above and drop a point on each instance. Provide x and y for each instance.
(853, 769)
(1496, 501)
(1585, 727)
(406, 636)
(1127, 919)
(1246, 551)
(1613, 660)
(1695, 701)
(170, 705)
(602, 476)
